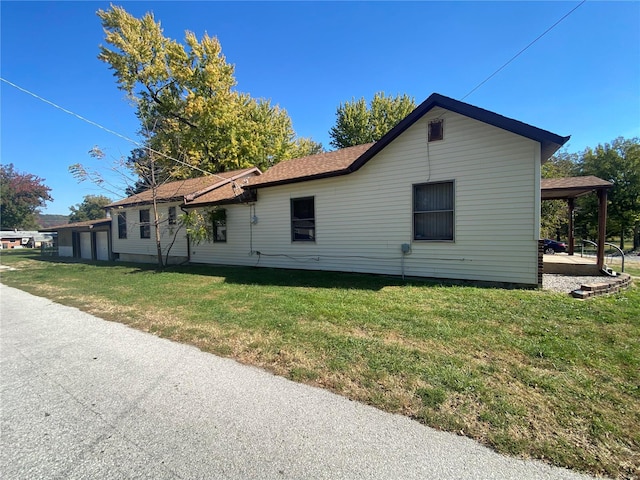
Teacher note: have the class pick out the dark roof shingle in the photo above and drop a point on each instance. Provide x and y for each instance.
(571, 187)
(178, 190)
(311, 167)
(87, 223)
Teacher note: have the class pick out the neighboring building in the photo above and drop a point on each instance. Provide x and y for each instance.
(23, 238)
(452, 192)
(90, 240)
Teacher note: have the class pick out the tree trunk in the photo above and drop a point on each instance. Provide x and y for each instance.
(622, 232)
(156, 224)
(156, 219)
(636, 237)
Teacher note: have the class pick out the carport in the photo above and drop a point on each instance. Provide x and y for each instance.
(570, 188)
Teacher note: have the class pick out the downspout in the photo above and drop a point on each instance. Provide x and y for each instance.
(250, 230)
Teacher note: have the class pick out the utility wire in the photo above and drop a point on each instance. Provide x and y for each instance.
(523, 50)
(95, 124)
(80, 117)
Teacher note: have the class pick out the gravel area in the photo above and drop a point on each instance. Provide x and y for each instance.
(567, 283)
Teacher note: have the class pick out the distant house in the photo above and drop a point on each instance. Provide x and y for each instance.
(22, 239)
(452, 192)
(90, 240)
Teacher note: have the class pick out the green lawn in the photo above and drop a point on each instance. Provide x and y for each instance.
(630, 267)
(530, 373)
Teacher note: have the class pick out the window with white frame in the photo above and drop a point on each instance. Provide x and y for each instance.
(303, 219)
(433, 211)
(145, 225)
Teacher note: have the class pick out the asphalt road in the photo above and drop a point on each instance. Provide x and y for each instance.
(83, 398)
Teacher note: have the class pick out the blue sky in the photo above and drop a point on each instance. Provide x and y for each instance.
(581, 79)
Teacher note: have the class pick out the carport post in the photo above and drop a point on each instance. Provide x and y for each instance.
(602, 225)
(572, 204)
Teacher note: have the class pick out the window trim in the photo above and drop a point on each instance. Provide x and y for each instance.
(121, 218)
(145, 225)
(414, 212)
(291, 202)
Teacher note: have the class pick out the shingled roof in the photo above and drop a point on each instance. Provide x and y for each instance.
(571, 187)
(231, 192)
(348, 160)
(312, 167)
(184, 190)
(87, 223)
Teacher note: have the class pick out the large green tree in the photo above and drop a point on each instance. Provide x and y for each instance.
(358, 123)
(21, 195)
(184, 95)
(619, 163)
(554, 221)
(91, 208)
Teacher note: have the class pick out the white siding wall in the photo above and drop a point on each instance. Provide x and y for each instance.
(236, 250)
(133, 245)
(363, 218)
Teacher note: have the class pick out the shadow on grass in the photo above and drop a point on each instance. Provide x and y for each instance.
(267, 276)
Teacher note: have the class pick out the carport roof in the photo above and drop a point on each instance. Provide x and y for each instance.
(88, 223)
(571, 187)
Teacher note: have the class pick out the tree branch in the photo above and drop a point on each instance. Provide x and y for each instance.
(180, 118)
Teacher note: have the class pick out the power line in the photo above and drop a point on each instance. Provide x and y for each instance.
(523, 50)
(108, 130)
(91, 122)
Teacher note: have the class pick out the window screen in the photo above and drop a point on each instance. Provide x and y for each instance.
(303, 220)
(433, 211)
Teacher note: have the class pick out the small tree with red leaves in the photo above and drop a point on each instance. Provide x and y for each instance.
(21, 194)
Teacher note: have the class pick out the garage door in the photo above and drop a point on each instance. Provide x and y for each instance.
(85, 245)
(102, 246)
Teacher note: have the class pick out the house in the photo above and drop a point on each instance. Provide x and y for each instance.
(134, 239)
(452, 192)
(89, 240)
(23, 239)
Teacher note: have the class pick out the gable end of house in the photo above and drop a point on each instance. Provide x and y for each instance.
(549, 142)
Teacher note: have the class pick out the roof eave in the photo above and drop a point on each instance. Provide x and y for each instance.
(335, 173)
(96, 223)
(179, 198)
(549, 142)
(245, 197)
(210, 188)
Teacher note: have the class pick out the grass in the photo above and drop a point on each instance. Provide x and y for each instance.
(632, 268)
(530, 373)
